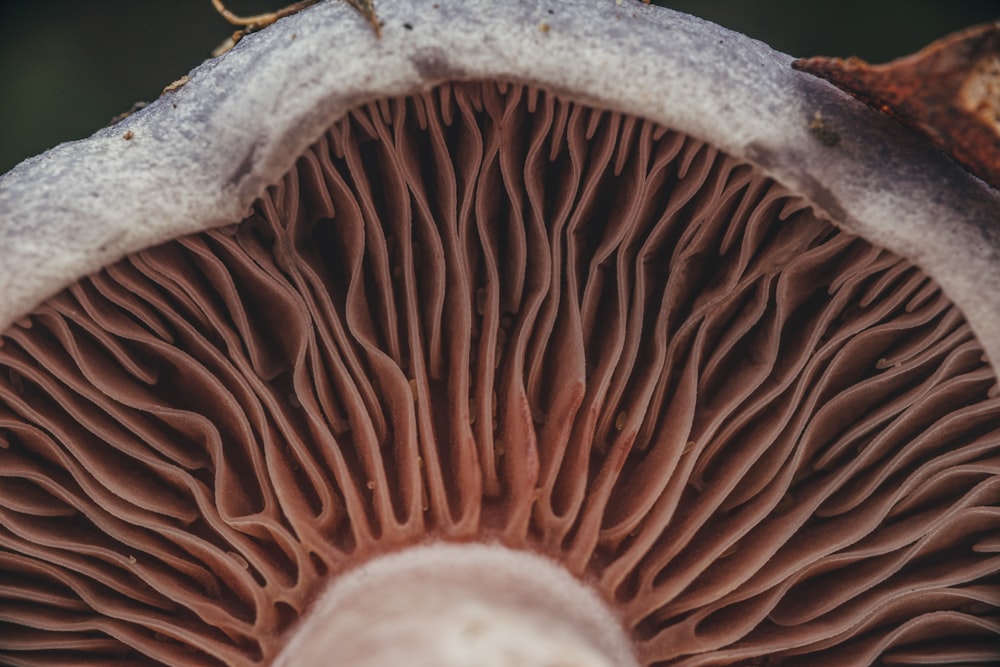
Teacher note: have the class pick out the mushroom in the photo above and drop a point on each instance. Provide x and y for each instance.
(553, 345)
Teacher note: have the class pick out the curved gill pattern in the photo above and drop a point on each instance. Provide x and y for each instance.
(489, 313)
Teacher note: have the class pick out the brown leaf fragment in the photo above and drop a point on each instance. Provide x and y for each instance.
(949, 91)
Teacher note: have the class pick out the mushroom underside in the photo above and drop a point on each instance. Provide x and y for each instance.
(487, 313)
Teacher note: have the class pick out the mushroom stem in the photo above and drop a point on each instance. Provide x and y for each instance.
(457, 605)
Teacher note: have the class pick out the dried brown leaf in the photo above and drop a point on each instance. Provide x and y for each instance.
(949, 91)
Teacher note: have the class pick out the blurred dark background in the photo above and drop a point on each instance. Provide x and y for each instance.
(68, 66)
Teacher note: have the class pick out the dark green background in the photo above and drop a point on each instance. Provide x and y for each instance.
(69, 66)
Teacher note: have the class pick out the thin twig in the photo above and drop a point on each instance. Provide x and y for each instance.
(261, 20)
(253, 23)
(367, 9)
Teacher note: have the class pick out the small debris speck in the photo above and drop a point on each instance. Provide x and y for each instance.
(240, 560)
(128, 135)
(544, 27)
(819, 129)
(179, 83)
(122, 116)
(480, 300)
(408, 26)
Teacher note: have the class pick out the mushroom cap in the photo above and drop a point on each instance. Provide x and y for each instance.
(204, 152)
(292, 336)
